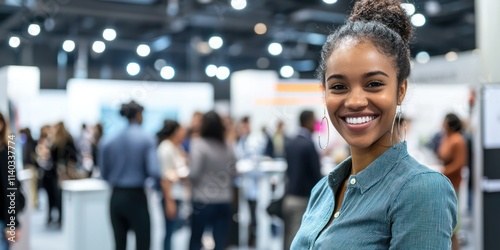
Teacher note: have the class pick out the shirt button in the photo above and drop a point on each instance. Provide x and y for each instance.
(353, 181)
(336, 214)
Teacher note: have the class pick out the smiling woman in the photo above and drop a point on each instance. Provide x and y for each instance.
(380, 197)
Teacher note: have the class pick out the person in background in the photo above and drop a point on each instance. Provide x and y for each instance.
(245, 149)
(242, 149)
(97, 132)
(29, 162)
(453, 153)
(125, 162)
(83, 146)
(193, 130)
(380, 197)
(303, 172)
(174, 170)
(64, 157)
(47, 175)
(6, 158)
(212, 169)
(275, 145)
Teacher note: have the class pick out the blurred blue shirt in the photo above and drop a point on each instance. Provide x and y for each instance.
(394, 203)
(129, 158)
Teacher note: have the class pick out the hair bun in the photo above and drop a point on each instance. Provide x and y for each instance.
(388, 12)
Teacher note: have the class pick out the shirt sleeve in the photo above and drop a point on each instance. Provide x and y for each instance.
(166, 160)
(195, 160)
(152, 160)
(424, 213)
(101, 155)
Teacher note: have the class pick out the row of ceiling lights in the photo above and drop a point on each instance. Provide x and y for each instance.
(215, 42)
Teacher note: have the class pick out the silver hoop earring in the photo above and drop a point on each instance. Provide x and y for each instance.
(321, 129)
(398, 114)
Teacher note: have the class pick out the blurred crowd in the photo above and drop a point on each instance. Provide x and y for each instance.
(194, 168)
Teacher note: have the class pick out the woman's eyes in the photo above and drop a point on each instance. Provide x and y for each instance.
(337, 87)
(374, 84)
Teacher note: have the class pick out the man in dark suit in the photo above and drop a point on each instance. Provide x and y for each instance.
(303, 172)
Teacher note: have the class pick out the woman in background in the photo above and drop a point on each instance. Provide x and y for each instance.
(64, 157)
(453, 152)
(173, 167)
(212, 169)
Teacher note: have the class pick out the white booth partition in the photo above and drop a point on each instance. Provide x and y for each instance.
(91, 101)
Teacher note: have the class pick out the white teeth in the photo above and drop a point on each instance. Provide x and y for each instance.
(359, 120)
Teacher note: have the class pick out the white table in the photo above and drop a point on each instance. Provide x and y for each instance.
(86, 223)
(266, 172)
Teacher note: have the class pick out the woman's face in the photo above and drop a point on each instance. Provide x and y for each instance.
(361, 94)
(179, 134)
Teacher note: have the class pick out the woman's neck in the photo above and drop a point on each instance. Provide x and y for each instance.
(173, 141)
(362, 157)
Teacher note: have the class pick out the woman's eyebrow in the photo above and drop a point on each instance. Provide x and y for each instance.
(336, 76)
(374, 73)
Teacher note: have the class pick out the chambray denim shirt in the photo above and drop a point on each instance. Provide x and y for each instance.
(394, 203)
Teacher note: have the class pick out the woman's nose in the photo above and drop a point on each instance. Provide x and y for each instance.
(356, 99)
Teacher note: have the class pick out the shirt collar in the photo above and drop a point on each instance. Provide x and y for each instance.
(305, 133)
(373, 173)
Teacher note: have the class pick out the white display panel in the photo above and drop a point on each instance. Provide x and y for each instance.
(491, 133)
(91, 101)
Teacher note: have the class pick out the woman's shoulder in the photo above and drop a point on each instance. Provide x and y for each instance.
(421, 178)
(410, 170)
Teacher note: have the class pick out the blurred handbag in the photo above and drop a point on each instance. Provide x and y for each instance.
(69, 172)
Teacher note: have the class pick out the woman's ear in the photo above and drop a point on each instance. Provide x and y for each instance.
(402, 91)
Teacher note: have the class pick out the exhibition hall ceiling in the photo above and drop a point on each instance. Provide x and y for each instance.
(178, 31)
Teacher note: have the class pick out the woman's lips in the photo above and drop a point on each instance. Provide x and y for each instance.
(359, 123)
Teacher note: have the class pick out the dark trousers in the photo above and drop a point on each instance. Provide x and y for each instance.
(170, 225)
(50, 185)
(129, 211)
(216, 216)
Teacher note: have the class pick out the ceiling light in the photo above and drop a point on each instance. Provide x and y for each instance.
(143, 50)
(409, 8)
(222, 73)
(34, 29)
(286, 71)
(329, 1)
(14, 41)
(167, 72)
(418, 20)
(422, 57)
(451, 56)
(133, 68)
(68, 46)
(215, 42)
(98, 47)
(260, 29)
(275, 49)
(109, 34)
(239, 4)
(432, 7)
(160, 63)
(263, 63)
(211, 70)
